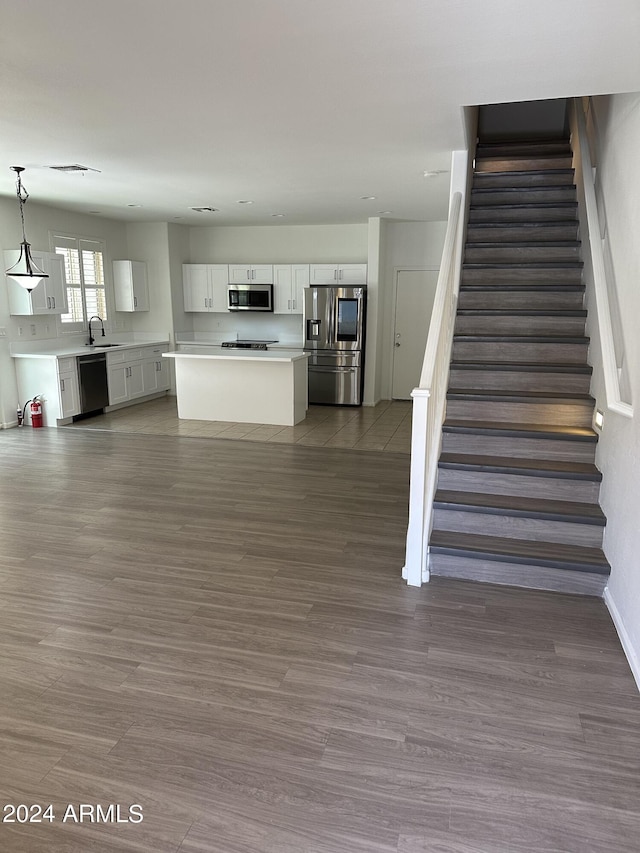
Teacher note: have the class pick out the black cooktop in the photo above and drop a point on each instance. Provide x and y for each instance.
(247, 344)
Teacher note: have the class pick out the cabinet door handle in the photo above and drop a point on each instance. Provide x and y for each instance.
(211, 303)
(335, 274)
(294, 304)
(289, 304)
(205, 302)
(249, 274)
(48, 302)
(53, 302)
(135, 301)
(62, 384)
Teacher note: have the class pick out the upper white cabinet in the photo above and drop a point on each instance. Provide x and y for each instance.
(289, 281)
(130, 286)
(338, 274)
(205, 287)
(49, 297)
(250, 273)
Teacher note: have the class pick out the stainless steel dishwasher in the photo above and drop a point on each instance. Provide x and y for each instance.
(94, 390)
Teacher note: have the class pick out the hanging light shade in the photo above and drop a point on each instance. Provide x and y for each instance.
(25, 271)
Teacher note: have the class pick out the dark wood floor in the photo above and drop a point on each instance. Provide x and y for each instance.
(218, 632)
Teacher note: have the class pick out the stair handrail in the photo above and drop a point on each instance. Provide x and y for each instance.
(600, 305)
(430, 396)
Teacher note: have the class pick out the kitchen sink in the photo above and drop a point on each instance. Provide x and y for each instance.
(102, 346)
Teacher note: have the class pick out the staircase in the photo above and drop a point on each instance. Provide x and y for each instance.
(517, 496)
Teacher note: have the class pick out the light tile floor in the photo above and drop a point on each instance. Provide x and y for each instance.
(385, 427)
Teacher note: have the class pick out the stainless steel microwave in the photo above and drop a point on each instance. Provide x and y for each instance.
(250, 297)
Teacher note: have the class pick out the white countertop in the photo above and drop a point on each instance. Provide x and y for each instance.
(242, 355)
(56, 350)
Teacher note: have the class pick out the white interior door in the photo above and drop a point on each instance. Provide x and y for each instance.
(415, 292)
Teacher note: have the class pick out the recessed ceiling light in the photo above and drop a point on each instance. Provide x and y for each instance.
(94, 211)
(245, 201)
(434, 173)
(382, 212)
(134, 205)
(204, 209)
(368, 197)
(277, 214)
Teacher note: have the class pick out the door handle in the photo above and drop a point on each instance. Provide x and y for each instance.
(62, 384)
(396, 344)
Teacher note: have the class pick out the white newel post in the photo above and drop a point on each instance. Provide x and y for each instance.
(415, 570)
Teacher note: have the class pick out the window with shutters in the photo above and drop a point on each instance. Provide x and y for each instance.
(84, 276)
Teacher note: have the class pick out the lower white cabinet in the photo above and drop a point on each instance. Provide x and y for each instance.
(133, 373)
(55, 381)
(68, 387)
(289, 282)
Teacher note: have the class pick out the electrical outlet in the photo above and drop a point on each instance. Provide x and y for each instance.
(33, 328)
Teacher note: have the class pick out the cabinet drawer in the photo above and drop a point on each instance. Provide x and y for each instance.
(123, 355)
(67, 365)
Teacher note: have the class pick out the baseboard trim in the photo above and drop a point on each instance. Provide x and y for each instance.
(625, 639)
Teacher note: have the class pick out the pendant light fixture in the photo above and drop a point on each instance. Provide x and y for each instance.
(24, 271)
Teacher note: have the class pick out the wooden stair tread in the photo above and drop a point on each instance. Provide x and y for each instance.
(524, 265)
(523, 287)
(552, 555)
(551, 510)
(551, 431)
(521, 312)
(521, 367)
(526, 467)
(533, 244)
(522, 339)
(507, 173)
(490, 395)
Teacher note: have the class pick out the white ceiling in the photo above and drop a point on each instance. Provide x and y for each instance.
(302, 106)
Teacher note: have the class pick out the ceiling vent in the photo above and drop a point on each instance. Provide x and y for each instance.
(205, 209)
(75, 167)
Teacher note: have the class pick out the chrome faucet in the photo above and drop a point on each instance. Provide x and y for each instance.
(95, 317)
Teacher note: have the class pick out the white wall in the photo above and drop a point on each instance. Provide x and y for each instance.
(41, 221)
(617, 131)
(406, 245)
(149, 242)
(283, 244)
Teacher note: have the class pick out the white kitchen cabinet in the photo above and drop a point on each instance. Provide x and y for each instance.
(130, 286)
(136, 372)
(289, 281)
(55, 381)
(205, 287)
(155, 370)
(338, 274)
(49, 297)
(250, 273)
(68, 387)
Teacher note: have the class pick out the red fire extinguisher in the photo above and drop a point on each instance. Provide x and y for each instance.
(35, 410)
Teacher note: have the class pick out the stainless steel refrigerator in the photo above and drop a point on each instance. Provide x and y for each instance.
(334, 328)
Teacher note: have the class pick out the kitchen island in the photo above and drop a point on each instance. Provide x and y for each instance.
(242, 386)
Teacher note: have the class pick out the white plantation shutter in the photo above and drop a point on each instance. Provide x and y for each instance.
(84, 274)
